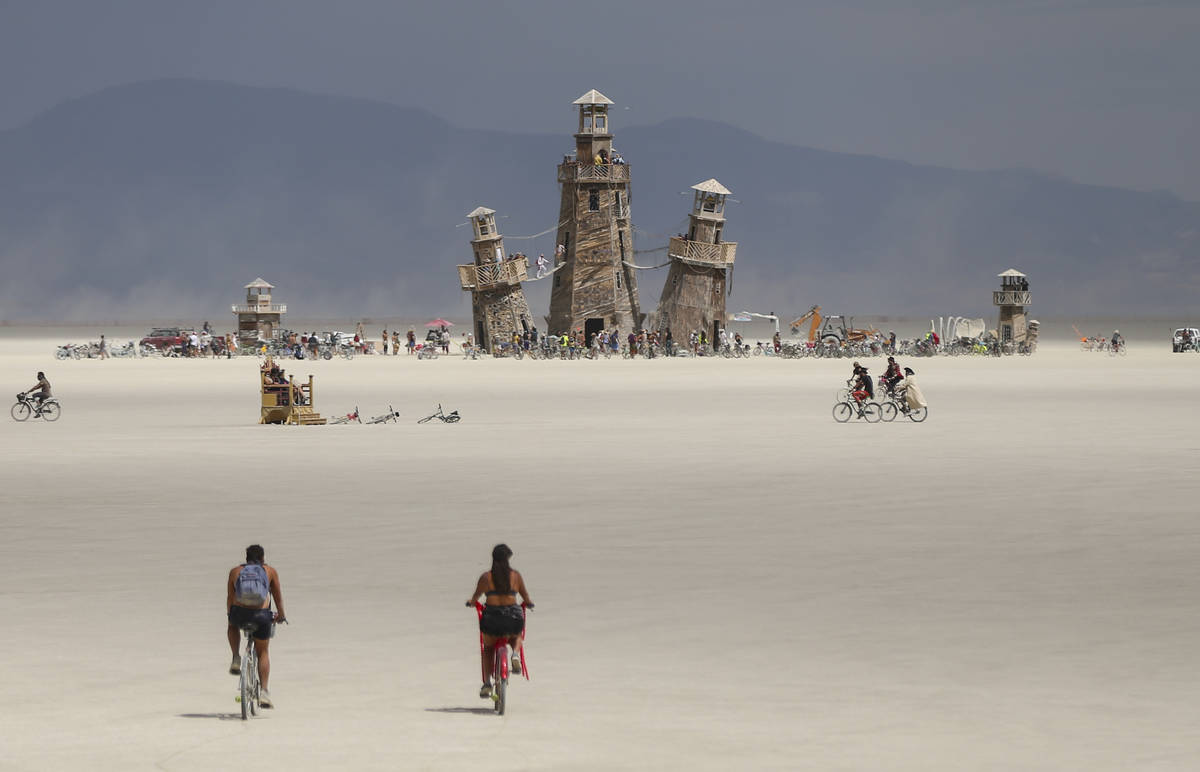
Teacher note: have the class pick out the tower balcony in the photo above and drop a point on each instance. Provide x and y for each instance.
(1010, 298)
(264, 308)
(698, 253)
(474, 278)
(574, 171)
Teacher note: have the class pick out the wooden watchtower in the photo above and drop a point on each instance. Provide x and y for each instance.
(594, 289)
(258, 318)
(693, 298)
(498, 303)
(1012, 299)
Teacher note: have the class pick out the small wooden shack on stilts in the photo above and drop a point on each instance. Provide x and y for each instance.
(693, 298)
(258, 318)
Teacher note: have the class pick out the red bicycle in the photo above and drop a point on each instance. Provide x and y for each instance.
(499, 669)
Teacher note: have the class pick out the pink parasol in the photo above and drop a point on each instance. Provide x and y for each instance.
(439, 323)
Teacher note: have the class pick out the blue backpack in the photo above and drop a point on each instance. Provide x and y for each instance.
(252, 588)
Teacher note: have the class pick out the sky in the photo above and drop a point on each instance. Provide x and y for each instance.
(1102, 92)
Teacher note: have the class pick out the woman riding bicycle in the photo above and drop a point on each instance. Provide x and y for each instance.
(502, 616)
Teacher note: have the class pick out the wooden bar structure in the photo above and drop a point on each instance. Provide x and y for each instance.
(1012, 298)
(594, 288)
(693, 297)
(258, 318)
(498, 303)
(280, 401)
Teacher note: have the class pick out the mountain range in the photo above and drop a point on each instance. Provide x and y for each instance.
(161, 199)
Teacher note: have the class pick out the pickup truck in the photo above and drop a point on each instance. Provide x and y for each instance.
(1185, 339)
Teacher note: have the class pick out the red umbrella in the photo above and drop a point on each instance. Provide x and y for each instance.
(439, 323)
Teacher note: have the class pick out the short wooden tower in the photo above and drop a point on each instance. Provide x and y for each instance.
(1012, 298)
(498, 303)
(693, 298)
(259, 318)
(594, 289)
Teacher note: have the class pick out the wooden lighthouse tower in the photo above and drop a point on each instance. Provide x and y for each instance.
(1012, 299)
(593, 289)
(693, 298)
(258, 318)
(498, 304)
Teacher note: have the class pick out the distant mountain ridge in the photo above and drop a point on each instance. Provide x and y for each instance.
(162, 198)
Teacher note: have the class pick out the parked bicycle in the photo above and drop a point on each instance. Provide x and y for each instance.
(388, 417)
(345, 419)
(452, 418)
(47, 410)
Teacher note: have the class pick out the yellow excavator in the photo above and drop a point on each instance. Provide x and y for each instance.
(830, 328)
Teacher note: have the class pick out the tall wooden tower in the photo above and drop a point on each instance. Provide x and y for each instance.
(258, 318)
(498, 303)
(1012, 298)
(594, 290)
(693, 298)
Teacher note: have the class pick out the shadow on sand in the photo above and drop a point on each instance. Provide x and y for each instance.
(217, 716)
(475, 711)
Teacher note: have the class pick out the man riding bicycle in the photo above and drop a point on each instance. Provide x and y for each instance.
(248, 594)
(891, 376)
(40, 391)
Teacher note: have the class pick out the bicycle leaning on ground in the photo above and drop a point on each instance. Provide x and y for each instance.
(389, 416)
(500, 662)
(451, 418)
(48, 409)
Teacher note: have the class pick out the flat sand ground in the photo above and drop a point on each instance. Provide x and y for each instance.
(725, 578)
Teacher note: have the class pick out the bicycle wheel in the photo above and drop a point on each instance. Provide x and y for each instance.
(326, 355)
(872, 412)
(453, 419)
(500, 678)
(51, 411)
(889, 411)
(842, 412)
(244, 686)
(61, 354)
(21, 411)
(425, 420)
(918, 414)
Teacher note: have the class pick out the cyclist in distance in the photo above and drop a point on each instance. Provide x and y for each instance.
(40, 390)
(502, 615)
(248, 594)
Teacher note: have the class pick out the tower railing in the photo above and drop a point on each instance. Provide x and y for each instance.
(265, 308)
(488, 275)
(719, 255)
(574, 171)
(1010, 298)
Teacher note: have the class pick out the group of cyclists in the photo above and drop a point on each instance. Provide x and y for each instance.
(253, 586)
(896, 382)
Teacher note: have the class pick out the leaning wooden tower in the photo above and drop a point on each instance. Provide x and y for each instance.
(693, 297)
(498, 303)
(594, 289)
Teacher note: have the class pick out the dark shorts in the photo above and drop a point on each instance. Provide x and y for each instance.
(261, 619)
(502, 621)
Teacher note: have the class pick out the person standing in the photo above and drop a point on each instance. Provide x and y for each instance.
(395, 342)
(103, 347)
(412, 341)
(385, 341)
(248, 594)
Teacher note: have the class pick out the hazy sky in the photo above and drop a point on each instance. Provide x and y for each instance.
(1103, 91)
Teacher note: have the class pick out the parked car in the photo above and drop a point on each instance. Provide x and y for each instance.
(165, 337)
(1186, 339)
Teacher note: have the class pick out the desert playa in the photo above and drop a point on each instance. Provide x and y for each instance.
(725, 577)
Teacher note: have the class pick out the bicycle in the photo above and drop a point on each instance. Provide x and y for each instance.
(387, 417)
(844, 411)
(452, 418)
(248, 684)
(345, 419)
(500, 658)
(48, 409)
